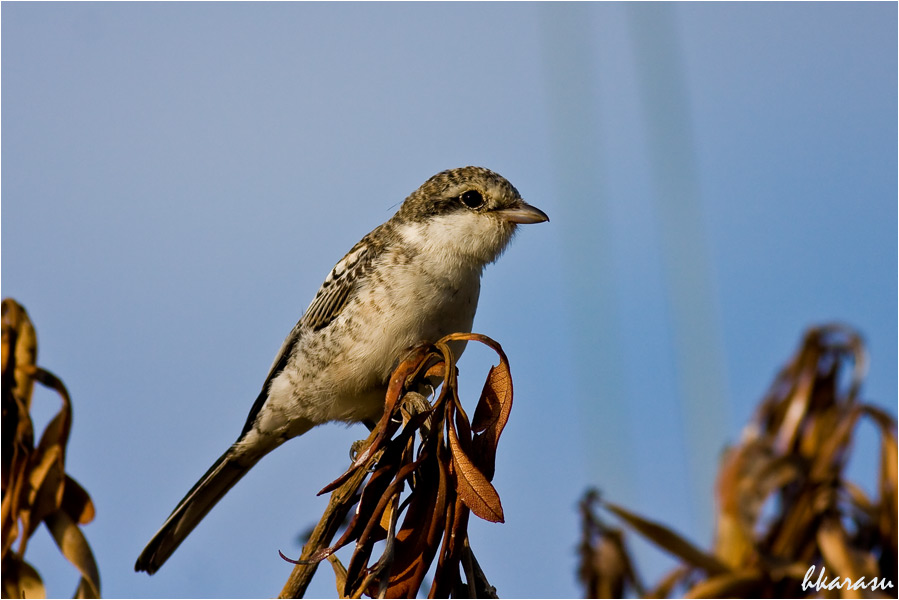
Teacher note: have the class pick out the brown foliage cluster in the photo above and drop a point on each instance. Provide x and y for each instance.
(36, 488)
(784, 502)
(415, 480)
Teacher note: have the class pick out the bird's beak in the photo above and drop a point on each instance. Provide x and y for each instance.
(523, 214)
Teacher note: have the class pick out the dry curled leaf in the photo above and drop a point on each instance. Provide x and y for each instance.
(476, 492)
(21, 580)
(605, 567)
(728, 585)
(423, 469)
(670, 541)
(785, 503)
(36, 488)
(491, 415)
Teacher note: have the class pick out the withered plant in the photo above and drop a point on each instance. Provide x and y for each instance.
(786, 511)
(415, 480)
(36, 488)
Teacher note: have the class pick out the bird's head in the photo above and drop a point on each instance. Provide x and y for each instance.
(470, 213)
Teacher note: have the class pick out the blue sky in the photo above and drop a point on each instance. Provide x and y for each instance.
(179, 178)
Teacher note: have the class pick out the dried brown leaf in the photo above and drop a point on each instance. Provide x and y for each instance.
(20, 579)
(495, 404)
(831, 453)
(385, 427)
(19, 348)
(670, 541)
(611, 565)
(356, 571)
(668, 582)
(436, 371)
(77, 503)
(339, 574)
(46, 475)
(19, 351)
(475, 575)
(446, 576)
(35, 484)
(743, 584)
(840, 556)
(420, 533)
(476, 492)
(605, 566)
(785, 500)
(491, 415)
(74, 547)
(796, 407)
(45, 499)
(85, 590)
(437, 472)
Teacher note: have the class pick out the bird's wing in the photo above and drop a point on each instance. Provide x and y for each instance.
(327, 304)
(331, 297)
(340, 282)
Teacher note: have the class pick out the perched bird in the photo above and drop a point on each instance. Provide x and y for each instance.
(415, 278)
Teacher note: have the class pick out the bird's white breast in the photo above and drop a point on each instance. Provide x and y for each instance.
(418, 290)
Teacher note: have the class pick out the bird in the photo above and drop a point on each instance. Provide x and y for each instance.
(413, 279)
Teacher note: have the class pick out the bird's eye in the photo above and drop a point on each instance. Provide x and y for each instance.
(472, 199)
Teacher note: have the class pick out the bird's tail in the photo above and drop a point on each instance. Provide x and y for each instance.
(221, 477)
